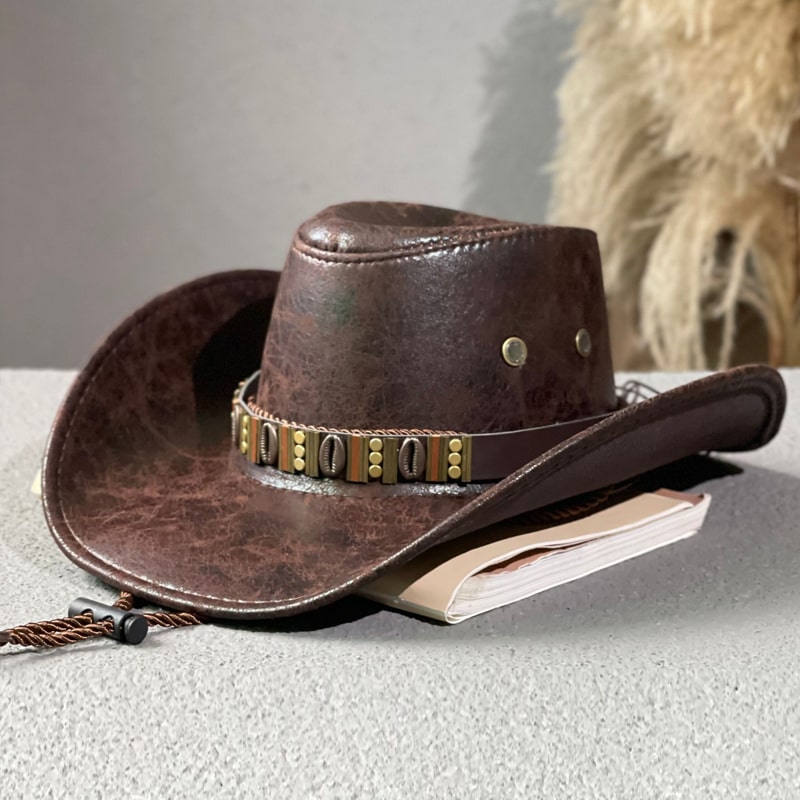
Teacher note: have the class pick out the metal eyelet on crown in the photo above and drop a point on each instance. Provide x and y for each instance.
(514, 351)
(583, 343)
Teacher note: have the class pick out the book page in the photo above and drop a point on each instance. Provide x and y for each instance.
(429, 582)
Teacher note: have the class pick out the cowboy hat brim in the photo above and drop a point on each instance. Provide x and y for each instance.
(141, 486)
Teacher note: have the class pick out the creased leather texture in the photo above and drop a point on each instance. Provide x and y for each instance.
(141, 486)
(384, 321)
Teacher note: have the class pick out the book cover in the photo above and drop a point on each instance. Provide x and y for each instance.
(509, 562)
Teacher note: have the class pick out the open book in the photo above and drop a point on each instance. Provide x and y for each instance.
(509, 562)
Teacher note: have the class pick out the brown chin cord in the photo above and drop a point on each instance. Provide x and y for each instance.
(89, 619)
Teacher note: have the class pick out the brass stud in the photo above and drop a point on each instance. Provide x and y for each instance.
(300, 451)
(244, 435)
(375, 458)
(375, 471)
(454, 459)
(514, 351)
(299, 437)
(583, 342)
(299, 464)
(455, 445)
(376, 444)
(454, 472)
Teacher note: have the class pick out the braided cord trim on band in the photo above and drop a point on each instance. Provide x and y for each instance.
(390, 455)
(359, 456)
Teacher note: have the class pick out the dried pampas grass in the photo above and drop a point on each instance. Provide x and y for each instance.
(680, 146)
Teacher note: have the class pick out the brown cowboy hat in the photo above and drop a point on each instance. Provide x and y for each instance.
(423, 373)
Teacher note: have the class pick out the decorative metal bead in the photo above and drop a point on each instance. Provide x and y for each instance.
(268, 444)
(244, 435)
(411, 459)
(332, 456)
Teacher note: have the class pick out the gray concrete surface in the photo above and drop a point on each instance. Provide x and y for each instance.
(671, 676)
(146, 143)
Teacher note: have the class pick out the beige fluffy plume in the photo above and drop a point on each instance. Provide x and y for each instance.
(680, 146)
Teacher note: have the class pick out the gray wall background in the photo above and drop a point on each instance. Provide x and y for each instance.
(145, 143)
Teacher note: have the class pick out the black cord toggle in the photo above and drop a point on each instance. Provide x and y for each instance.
(129, 626)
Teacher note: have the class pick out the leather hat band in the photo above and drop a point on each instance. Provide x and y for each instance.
(387, 455)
